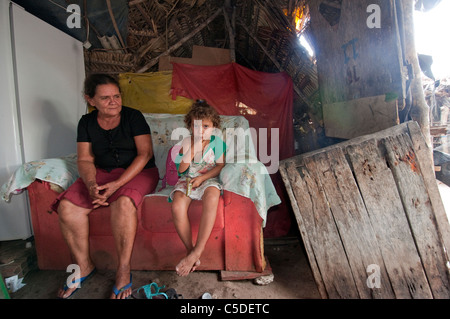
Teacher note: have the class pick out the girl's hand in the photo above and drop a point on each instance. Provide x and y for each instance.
(196, 182)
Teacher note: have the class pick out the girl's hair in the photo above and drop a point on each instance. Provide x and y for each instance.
(201, 110)
(94, 80)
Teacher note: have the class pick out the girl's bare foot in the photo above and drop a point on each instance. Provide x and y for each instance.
(188, 264)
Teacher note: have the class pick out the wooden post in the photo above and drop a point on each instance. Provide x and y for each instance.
(231, 27)
(419, 107)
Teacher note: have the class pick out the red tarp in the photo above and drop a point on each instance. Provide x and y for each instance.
(264, 99)
(230, 88)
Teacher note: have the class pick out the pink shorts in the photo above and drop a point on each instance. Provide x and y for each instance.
(142, 184)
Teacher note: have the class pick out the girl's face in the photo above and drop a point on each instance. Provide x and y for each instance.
(107, 99)
(202, 128)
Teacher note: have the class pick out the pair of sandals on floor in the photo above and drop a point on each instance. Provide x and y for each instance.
(144, 292)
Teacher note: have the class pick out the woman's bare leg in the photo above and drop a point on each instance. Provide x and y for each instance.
(124, 225)
(74, 224)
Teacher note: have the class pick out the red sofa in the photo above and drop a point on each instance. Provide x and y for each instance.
(236, 242)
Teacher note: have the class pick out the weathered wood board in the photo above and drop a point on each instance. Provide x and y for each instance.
(371, 217)
(359, 58)
(359, 117)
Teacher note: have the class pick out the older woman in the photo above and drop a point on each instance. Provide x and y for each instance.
(116, 167)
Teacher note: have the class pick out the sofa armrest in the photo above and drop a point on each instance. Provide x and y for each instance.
(244, 246)
(47, 234)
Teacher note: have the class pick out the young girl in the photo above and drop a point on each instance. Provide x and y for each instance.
(199, 163)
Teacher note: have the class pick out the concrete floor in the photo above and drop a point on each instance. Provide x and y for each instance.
(292, 280)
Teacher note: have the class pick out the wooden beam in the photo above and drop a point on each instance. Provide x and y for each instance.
(231, 29)
(108, 2)
(180, 43)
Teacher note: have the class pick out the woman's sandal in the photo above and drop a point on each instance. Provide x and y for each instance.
(145, 292)
(119, 291)
(79, 282)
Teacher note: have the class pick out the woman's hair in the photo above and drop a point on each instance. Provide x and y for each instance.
(94, 80)
(201, 110)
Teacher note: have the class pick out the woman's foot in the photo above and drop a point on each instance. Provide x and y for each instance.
(188, 264)
(71, 287)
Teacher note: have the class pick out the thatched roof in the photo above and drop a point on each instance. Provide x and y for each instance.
(265, 37)
(262, 35)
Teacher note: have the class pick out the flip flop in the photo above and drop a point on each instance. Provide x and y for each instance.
(80, 281)
(118, 291)
(145, 292)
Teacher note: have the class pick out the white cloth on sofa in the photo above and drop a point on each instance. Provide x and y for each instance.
(243, 174)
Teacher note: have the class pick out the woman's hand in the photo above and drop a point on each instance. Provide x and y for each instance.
(98, 199)
(103, 192)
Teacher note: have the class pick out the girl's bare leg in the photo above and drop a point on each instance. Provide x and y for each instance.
(180, 217)
(210, 201)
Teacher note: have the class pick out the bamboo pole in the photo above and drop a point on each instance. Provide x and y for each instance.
(231, 29)
(419, 108)
(108, 2)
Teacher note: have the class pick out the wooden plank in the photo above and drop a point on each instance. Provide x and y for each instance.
(289, 169)
(326, 246)
(227, 275)
(383, 203)
(417, 204)
(392, 131)
(358, 117)
(352, 220)
(201, 55)
(405, 216)
(425, 163)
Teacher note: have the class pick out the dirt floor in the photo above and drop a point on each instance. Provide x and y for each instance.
(292, 279)
(292, 275)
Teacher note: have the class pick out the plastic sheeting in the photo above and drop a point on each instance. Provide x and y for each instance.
(150, 93)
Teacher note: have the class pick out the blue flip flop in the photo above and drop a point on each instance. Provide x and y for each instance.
(118, 291)
(80, 281)
(148, 293)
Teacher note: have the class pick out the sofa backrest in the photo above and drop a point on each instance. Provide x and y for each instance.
(235, 132)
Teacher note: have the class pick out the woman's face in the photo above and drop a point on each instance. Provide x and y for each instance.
(107, 99)
(202, 128)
